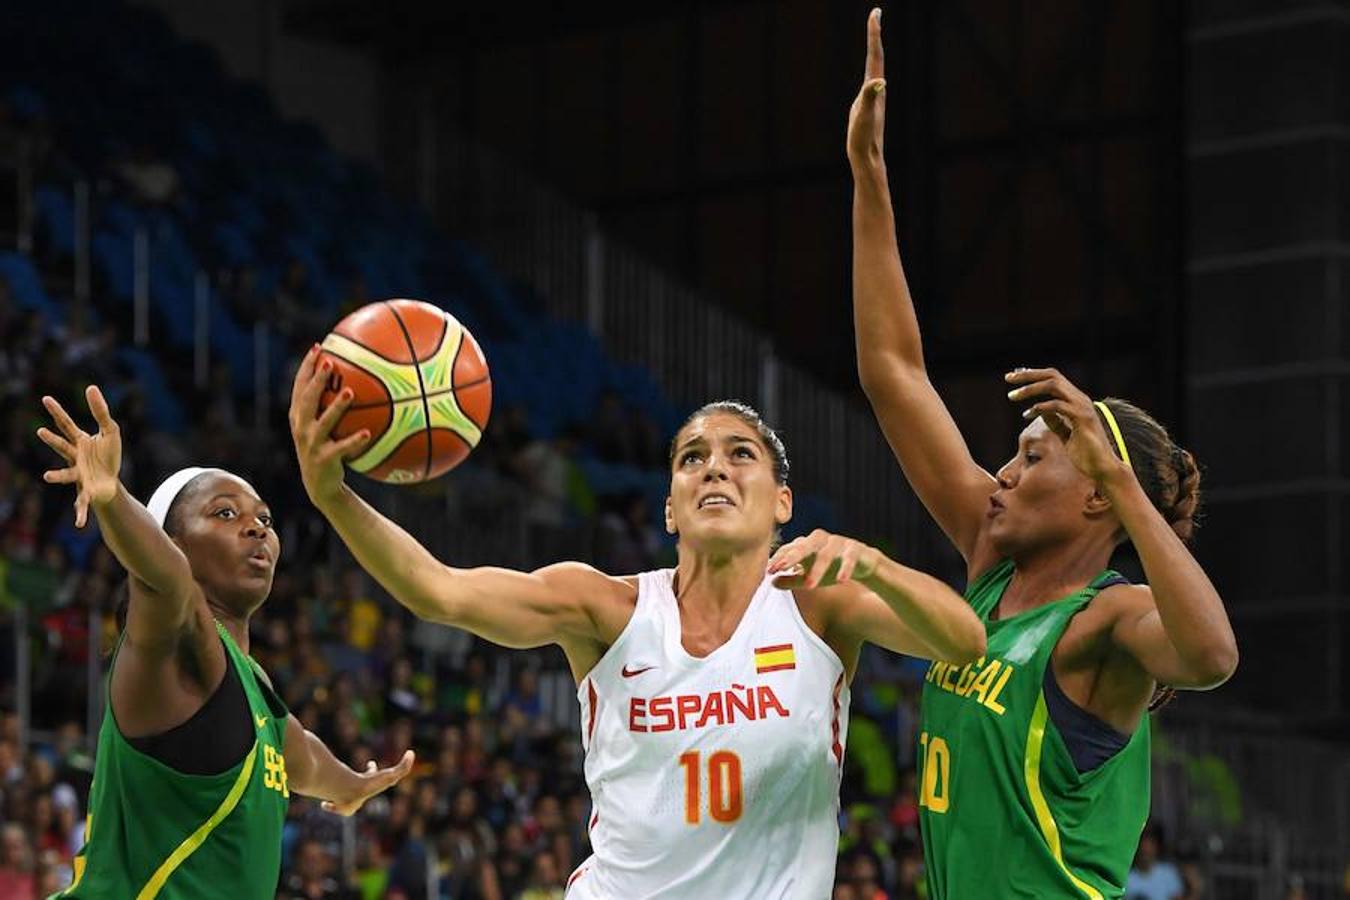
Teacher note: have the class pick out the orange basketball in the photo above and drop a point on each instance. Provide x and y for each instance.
(420, 385)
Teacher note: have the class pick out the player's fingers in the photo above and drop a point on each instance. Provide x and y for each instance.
(57, 443)
(306, 401)
(399, 771)
(329, 418)
(99, 407)
(825, 561)
(848, 560)
(62, 418)
(1022, 375)
(1056, 416)
(81, 509)
(788, 582)
(303, 372)
(61, 476)
(1046, 387)
(348, 446)
(876, 56)
(787, 555)
(327, 806)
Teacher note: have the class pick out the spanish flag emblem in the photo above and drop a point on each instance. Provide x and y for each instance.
(775, 658)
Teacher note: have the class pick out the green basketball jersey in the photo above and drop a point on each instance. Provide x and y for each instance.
(1003, 810)
(156, 832)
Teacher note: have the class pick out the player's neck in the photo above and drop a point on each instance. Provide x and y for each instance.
(1050, 574)
(234, 623)
(718, 584)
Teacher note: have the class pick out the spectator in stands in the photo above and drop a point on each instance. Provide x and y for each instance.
(546, 881)
(626, 540)
(311, 877)
(16, 864)
(22, 533)
(865, 875)
(293, 309)
(149, 177)
(1152, 877)
(558, 489)
(238, 287)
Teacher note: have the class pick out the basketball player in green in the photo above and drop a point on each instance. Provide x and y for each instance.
(1034, 760)
(197, 755)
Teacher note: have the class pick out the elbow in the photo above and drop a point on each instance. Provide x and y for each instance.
(882, 375)
(430, 596)
(1217, 664)
(970, 645)
(877, 369)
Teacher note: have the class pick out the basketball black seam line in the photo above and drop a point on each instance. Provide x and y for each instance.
(393, 402)
(421, 386)
(390, 401)
(463, 339)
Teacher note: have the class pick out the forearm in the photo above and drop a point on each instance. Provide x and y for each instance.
(885, 325)
(315, 772)
(1192, 614)
(141, 545)
(936, 614)
(394, 558)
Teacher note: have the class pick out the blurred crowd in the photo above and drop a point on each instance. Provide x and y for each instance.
(497, 805)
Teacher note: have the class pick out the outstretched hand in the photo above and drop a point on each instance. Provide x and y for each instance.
(1069, 413)
(372, 781)
(867, 117)
(93, 460)
(320, 456)
(821, 559)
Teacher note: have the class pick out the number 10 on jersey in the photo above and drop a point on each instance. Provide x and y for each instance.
(937, 768)
(724, 787)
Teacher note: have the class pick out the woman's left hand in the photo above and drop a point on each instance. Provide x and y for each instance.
(372, 781)
(1069, 413)
(821, 559)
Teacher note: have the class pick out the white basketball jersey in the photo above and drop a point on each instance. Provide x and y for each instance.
(713, 778)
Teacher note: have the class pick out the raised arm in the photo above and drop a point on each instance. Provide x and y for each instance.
(869, 597)
(556, 604)
(920, 430)
(163, 592)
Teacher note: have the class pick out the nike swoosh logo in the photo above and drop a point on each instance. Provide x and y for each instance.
(262, 720)
(629, 673)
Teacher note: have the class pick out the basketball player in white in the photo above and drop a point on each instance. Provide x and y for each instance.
(714, 696)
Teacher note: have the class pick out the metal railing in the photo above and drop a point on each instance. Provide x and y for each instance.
(1262, 812)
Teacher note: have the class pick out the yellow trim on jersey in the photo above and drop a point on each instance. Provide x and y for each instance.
(1032, 770)
(198, 837)
(1115, 430)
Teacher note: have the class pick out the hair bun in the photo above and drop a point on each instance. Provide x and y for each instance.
(1181, 516)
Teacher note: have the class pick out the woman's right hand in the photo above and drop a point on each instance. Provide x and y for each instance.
(867, 117)
(320, 456)
(94, 459)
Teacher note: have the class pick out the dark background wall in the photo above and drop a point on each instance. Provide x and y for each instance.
(1145, 194)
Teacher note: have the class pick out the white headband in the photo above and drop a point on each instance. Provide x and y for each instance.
(168, 491)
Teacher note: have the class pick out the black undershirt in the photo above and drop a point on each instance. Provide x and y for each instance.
(1090, 741)
(215, 739)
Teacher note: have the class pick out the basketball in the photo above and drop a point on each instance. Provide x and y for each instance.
(420, 386)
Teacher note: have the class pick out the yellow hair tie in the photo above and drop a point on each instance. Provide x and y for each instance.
(1115, 431)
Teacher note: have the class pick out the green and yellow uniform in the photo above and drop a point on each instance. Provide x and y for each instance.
(1003, 809)
(156, 832)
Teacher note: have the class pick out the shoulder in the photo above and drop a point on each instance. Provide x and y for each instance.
(589, 582)
(1093, 630)
(1123, 601)
(608, 600)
